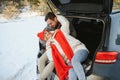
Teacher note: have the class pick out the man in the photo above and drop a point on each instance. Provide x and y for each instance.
(53, 22)
(57, 22)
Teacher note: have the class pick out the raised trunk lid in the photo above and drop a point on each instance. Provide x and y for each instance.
(84, 6)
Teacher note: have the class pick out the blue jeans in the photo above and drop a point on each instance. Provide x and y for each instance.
(77, 71)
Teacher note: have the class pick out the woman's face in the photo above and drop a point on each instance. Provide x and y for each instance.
(47, 34)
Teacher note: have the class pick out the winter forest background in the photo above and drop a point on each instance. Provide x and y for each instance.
(12, 8)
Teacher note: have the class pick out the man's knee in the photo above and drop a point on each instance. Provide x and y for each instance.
(43, 76)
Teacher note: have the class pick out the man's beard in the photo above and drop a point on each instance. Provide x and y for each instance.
(58, 26)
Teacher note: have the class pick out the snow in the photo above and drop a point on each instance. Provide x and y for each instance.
(19, 47)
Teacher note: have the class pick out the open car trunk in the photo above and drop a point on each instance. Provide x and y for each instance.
(89, 31)
(91, 21)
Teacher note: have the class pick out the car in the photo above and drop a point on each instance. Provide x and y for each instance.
(98, 27)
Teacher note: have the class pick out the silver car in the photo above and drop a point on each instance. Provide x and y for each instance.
(98, 27)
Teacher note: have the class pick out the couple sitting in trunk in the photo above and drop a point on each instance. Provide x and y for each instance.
(64, 52)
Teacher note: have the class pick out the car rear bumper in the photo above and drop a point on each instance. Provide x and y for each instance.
(96, 77)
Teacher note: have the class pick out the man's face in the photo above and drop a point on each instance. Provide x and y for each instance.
(52, 23)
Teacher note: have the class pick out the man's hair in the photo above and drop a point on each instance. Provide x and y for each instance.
(50, 15)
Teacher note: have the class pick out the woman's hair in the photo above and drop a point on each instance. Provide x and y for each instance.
(41, 35)
(50, 15)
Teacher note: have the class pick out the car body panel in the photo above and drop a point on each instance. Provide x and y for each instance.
(111, 71)
(114, 44)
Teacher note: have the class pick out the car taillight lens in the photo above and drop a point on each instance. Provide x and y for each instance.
(106, 57)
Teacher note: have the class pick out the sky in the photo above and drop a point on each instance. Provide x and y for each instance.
(19, 46)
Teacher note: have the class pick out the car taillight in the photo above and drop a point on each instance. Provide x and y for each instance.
(106, 57)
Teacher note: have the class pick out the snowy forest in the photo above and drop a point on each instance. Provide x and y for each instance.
(12, 8)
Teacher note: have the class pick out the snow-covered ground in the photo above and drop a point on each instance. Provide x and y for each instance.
(19, 47)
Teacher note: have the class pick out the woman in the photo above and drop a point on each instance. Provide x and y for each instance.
(67, 53)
